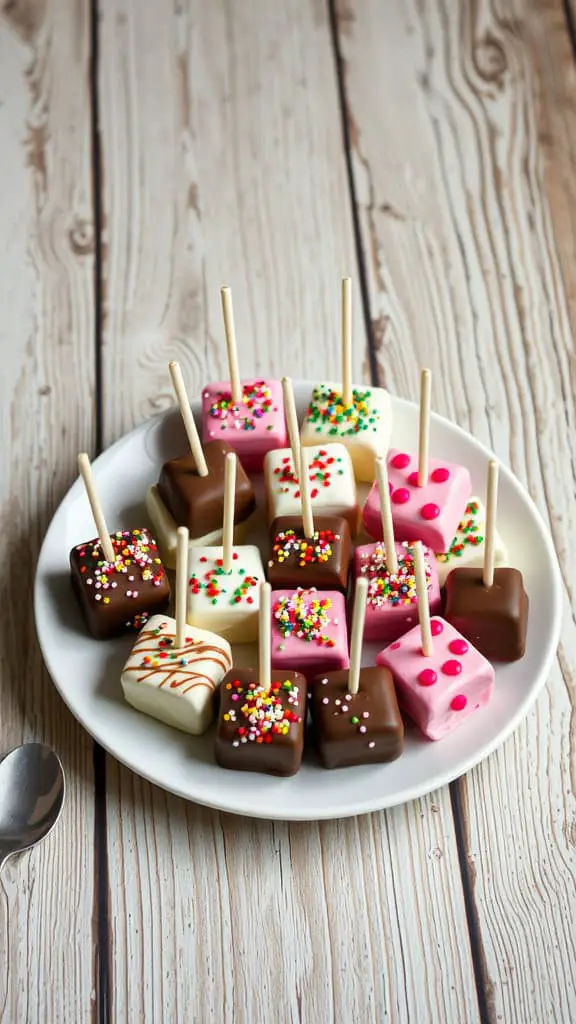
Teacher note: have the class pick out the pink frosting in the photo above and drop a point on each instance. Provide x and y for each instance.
(438, 705)
(386, 620)
(252, 429)
(308, 656)
(430, 513)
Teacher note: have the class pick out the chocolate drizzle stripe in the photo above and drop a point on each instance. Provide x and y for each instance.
(190, 679)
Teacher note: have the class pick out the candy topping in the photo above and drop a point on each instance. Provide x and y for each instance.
(401, 460)
(458, 646)
(430, 511)
(436, 627)
(328, 411)
(256, 403)
(400, 496)
(215, 583)
(440, 475)
(321, 472)
(427, 677)
(262, 714)
(397, 588)
(136, 558)
(452, 667)
(459, 702)
(467, 534)
(317, 548)
(304, 616)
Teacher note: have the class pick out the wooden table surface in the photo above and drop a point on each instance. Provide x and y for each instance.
(150, 152)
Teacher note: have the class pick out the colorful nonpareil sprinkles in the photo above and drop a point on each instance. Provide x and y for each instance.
(234, 587)
(316, 549)
(386, 588)
(329, 413)
(256, 404)
(468, 534)
(303, 616)
(322, 469)
(259, 714)
(136, 562)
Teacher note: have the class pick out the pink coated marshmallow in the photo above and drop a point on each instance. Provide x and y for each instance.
(392, 605)
(430, 513)
(438, 692)
(308, 632)
(253, 428)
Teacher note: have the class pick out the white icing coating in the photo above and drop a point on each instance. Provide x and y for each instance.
(226, 603)
(175, 686)
(365, 430)
(332, 484)
(165, 529)
(467, 548)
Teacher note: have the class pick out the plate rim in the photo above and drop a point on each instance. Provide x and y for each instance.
(373, 803)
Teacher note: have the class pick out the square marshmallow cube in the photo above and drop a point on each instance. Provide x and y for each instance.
(252, 428)
(364, 427)
(438, 692)
(361, 728)
(120, 596)
(261, 730)
(309, 633)
(226, 603)
(332, 484)
(430, 513)
(467, 547)
(176, 686)
(392, 604)
(166, 530)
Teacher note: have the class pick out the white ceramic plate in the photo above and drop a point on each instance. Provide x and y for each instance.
(87, 671)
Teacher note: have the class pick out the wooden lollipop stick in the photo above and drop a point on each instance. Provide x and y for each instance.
(188, 419)
(357, 634)
(386, 514)
(231, 347)
(292, 422)
(229, 498)
(181, 586)
(307, 517)
(422, 594)
(347, 341)
(490, 528)
(424, 432)
(264, 648)
(85, 470)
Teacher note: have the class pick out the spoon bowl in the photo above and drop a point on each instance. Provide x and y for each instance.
(31, 797)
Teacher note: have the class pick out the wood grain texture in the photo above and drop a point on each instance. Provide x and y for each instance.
(463, 124)
(46, 396)
(223, 163)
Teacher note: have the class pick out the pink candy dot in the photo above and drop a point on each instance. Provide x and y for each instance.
(436, 627)
(458, 646)
(427, 677)
(458, 703)
(395, 646)
(413, 479)
(452, 667)
(400, 461)
(439, 476)
(400, 496)
(430, 511)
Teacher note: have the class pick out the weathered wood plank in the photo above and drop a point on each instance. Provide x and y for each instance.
(223, 162)
(46, 414)
(466, 232)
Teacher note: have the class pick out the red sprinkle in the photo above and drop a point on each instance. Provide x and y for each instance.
(458, 646)
(440, 476)
(400, 461)
(436, 627)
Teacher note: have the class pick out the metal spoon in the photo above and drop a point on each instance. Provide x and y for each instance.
(31, 797)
